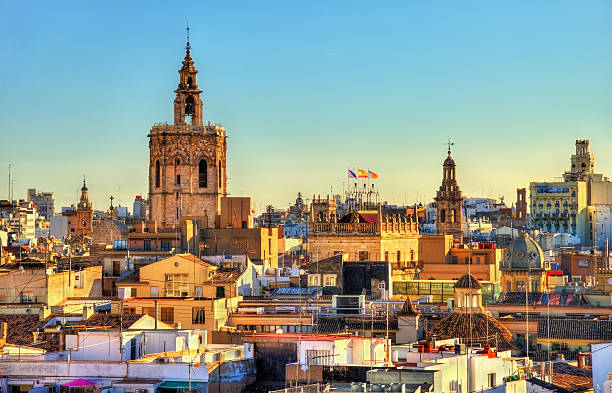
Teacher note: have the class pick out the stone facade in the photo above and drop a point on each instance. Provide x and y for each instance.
(449, 202)
(187, 166)
(365, 235)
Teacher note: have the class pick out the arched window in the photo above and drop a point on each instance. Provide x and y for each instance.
(189, 107)
(442, 215)
(220, 178)
(189, 82)
(202, 174)
(157, 173)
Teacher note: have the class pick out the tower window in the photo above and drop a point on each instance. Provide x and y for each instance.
(442, 215)
(189, 82)
(219, 179)
(189, 110)
(157, 173)
(202, 174)
(177, 162)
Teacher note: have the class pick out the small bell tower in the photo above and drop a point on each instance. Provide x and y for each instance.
(188, 104)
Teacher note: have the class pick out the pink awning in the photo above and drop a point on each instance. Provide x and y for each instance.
(79, 383)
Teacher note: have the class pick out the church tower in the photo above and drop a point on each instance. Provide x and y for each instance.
(187, 167)
(449, 201)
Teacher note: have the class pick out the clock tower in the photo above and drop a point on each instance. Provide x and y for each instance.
(187, 160)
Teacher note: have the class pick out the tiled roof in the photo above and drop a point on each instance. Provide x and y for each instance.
(50, 342)
(408, 308)
(541, 298)
(576, 329)
(468, 281)
(20, 328)
(473, 329)
(226, 276)
(112, 320)
(129, 276)
(572, 378)
(549, 386)
(340, 324)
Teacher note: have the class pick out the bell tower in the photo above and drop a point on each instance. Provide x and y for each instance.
(187, 160)
(188, 104)
(449, 201)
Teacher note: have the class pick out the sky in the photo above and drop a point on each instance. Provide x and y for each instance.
(306, 90)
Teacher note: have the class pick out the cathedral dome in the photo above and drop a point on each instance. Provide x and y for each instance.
(449, 160)
(523, 253)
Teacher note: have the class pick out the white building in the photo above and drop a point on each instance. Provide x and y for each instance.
(601, 354)
(603, 224)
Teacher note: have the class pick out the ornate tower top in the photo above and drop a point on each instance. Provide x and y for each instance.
(84, 203)
(188, 104)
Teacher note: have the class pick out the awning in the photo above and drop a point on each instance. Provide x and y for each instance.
(79, 383)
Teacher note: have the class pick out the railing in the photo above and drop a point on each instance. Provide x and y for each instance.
(366, 227)
(211, 129)
(312, 388)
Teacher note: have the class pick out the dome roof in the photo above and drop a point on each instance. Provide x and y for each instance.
(449, 160)
(468, 281)
(523, 253)
(473, 329)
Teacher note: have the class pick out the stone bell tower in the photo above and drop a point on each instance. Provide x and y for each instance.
(449, 201)
(187, 167)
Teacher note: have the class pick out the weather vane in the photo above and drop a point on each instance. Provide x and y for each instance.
(450, 144)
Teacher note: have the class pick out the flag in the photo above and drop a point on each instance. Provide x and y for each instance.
(362, 174)
(352, 174)
(373, 175)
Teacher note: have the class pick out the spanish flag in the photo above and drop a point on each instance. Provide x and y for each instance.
(362, 174)
(373, 175)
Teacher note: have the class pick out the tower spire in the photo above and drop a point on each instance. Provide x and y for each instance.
(188, 46)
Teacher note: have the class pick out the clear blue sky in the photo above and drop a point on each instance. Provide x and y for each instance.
(305, 90)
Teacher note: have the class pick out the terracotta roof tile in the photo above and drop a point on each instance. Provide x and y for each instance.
(468, 281)
(112, 320)
(473, 329)
(20, 328)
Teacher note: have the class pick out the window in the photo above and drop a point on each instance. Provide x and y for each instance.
(198, 315)
(150, 311)
(157, 173)
(178, 180)
(491, 379)
(329, 280)
(116, 268)
(319, 357)
(26, 297)
(399, 255)
(363, 255)
(478, 260)
(442, 215)
(177, 285)
(202, 174)
(314, 280)
(167, 315)
(146, 246)
(166, 245)
(220, 292)
(412, 255)
(154, 291)
(387, 256)
(453, 215)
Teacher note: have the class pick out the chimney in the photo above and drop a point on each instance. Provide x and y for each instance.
(4, 334)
